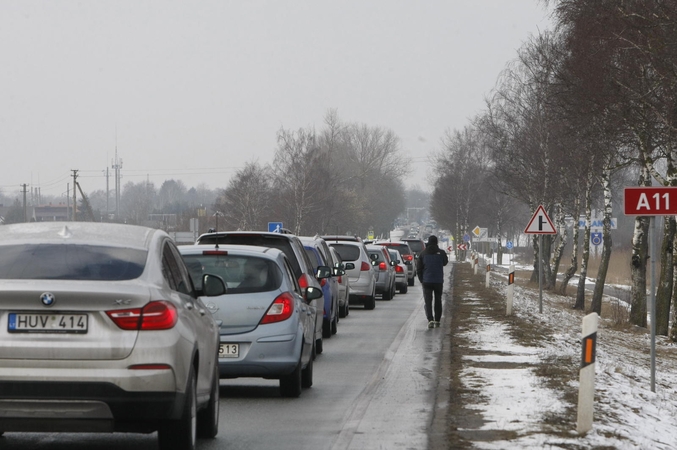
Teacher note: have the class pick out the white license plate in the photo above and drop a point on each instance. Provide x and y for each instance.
(47, 323)
(229, 350)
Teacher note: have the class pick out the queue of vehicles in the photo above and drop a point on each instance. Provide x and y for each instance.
(109, 327)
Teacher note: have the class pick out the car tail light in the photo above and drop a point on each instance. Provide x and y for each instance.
(323, 281)
(408, 257)
(158, 315)
(382, 266)
(281, 309)
(365, 266)
(303, 281)
(340, 280)
(399, 269)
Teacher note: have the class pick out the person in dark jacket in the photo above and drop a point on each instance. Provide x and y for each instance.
(430, 272)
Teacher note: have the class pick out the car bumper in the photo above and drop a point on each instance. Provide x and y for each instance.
(83, 406)
(261, 356)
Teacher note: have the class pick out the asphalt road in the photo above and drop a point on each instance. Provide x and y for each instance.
(373, 388)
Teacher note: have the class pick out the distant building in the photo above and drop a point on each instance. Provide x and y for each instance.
(52, 213)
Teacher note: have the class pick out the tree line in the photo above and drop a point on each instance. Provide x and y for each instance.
(583, 109)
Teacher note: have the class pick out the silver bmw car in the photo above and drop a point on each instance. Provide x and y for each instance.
(266, 320)
(101, 329)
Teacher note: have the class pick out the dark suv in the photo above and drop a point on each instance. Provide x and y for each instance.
(407, 255)
(292, 246)
(416, 245)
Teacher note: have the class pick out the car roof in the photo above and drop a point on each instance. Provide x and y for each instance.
(83, 233)
(245, 233)
(340, 237)
(248, 250)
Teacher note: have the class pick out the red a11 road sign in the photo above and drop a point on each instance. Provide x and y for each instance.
(650, 201)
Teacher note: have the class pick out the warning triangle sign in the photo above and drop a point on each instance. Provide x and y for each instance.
(540, 223)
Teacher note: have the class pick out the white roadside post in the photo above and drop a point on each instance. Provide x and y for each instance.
(486, 282)
(476, 262)
(586, 389)
(511, 289)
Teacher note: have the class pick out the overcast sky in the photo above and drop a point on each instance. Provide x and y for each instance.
(197, 89)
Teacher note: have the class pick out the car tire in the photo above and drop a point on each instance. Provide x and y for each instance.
(411, 281)
(334, 325)
(326, 329)
(307, 374)
(318, 346)
(404, 289)
(388, 295)
(181, 434)
(208, 418)
(290, 385)
(370, 302)
(343, 311)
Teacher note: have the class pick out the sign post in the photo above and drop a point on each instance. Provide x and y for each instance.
(586, 387)
(511, 289)
(651, 201)
(486, 282)
(540, 224)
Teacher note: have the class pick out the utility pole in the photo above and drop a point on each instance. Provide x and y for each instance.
(75, 203)
(107, 197)
(117, 165)
(25, 209)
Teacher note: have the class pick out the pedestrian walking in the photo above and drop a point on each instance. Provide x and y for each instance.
(430, 272)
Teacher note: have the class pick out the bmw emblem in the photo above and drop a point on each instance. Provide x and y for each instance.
(47, 299)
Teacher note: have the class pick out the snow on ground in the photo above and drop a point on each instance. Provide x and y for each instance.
(627, 415)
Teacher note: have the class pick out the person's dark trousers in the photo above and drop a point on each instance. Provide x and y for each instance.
(430, 289)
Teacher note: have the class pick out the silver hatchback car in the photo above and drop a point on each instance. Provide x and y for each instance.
(266, 326)
(101, 330)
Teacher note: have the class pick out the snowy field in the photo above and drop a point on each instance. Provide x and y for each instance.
(627, 414)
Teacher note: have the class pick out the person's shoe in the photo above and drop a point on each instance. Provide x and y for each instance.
(437, 324)
(431, 324)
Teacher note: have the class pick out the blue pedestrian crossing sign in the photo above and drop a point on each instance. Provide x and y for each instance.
(275, 227)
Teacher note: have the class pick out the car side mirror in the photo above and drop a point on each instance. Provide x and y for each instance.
(312, 293)
(392, 263)
(323, 272)
(213, 285)
(350, 266)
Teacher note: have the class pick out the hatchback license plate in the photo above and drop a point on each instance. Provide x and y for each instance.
(229, 350)
(47, 323)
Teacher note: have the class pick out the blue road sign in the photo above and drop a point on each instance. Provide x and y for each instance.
(466, 237)
(275, 227)
(508, 245)
(596, 238)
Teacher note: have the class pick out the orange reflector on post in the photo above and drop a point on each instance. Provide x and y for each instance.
(511, 277)
(488, 267)
(588, 353)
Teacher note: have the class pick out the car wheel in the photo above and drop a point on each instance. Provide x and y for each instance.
(370, 302)
(307, 374)
(181, 434)
(334, 325)
(290, 385)
(208, 418)
(343, 311)
(388, 295)
(326, 329)
(318, 346)
(404, 289)
(411, 281)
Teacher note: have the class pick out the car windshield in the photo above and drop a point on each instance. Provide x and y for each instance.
(375, 255)
(70, 262)
(242, 274)
(347, 252)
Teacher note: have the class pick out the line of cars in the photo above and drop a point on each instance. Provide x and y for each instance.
(107, 327)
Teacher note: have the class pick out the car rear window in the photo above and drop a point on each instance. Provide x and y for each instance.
(70, 262)
(347, 252)
(242, 274)
(402, 248)
(278, 242)
(312, 256)
(416, 246)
